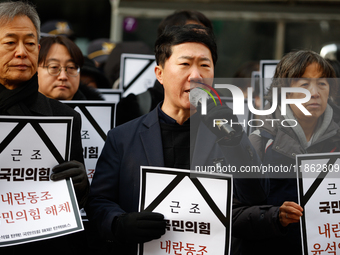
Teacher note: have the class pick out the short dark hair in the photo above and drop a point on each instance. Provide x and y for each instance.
(73, 49)
(293, 65)
(181, 17)
(176, 35)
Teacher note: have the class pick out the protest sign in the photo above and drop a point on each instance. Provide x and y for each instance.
(97, 118)
(319, 196)
(111, 95)
(137, 73)
(32, 207)
(197, 209)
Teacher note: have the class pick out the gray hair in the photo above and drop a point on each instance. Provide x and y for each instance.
(294, 64)
(9, 10)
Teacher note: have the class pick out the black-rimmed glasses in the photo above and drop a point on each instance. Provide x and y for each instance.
(55, 69)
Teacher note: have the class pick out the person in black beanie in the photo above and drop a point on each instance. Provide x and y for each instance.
(91, 76)
(19, 96)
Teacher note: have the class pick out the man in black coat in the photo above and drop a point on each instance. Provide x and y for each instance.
(163, 138)
(19, 96)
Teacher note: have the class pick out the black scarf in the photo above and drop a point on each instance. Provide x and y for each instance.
(18, 101)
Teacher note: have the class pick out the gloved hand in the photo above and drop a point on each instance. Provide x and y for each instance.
(221, 112)
(77, 172)
(138, 227)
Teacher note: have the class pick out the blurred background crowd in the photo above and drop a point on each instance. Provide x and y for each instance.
(245, 30)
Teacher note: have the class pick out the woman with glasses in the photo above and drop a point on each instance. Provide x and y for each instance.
(60, 60)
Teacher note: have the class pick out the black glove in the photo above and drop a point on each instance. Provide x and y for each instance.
(77, 172)
(138, 227)
(221, 112)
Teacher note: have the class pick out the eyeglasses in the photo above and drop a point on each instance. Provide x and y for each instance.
(55, 70)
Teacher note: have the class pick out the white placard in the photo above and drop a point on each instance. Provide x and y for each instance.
(111, 95)
(197, 208)
(32, 206)
(137, 73)
(97, 117)
(319, 196)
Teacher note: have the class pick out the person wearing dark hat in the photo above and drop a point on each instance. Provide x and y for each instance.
(112, 66)
(57, 27)
(91, 76)
(99, 50)
(182, 17)
(60, 60)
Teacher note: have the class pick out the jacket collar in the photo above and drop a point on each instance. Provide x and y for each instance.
(151, 118)
(154, 150)
(287, 142)
(152, 139)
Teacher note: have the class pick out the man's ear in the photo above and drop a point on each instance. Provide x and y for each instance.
(159, 73)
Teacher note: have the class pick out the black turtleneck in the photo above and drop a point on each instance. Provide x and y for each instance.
(17, 101)
(175, 140)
